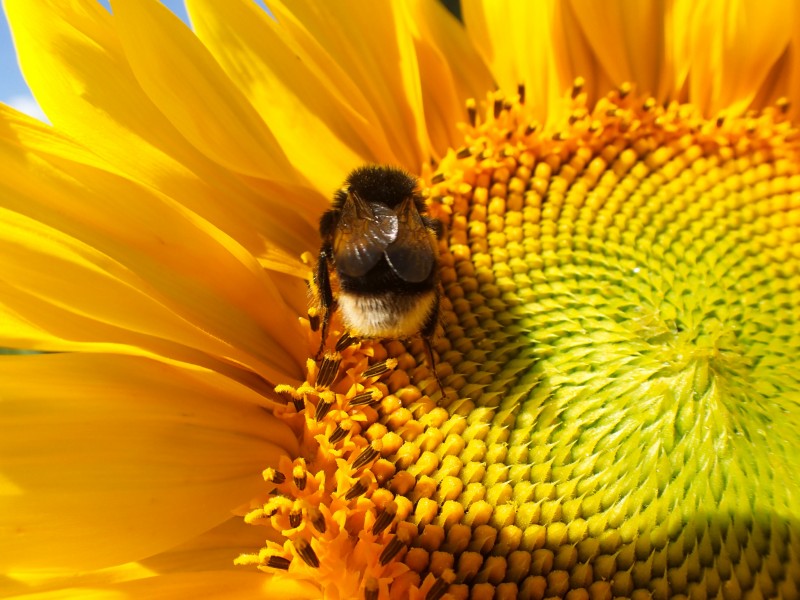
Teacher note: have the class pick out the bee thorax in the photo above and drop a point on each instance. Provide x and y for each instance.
(385, 315)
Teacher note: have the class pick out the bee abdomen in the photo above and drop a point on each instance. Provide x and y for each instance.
(386, 315)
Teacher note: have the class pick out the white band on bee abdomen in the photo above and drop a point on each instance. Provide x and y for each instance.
(386, 315)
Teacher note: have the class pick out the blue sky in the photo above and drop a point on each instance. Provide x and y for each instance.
(13, 89)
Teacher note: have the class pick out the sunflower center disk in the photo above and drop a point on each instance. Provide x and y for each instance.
(620, 347)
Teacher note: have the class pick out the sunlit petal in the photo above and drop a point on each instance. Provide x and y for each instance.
(207, 585)
(311, 121)
(628, 38)
(451, 71)
(109, 459)
(67, 51)
(534, 44)
(387, 80)
(173, 258)
(730, 62)
(236, 136)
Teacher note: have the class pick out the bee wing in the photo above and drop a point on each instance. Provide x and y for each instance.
(413, 253)
(362, 235)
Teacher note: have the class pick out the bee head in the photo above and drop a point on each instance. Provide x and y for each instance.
(388, 185)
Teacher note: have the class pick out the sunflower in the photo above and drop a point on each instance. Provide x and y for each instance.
(619, 415)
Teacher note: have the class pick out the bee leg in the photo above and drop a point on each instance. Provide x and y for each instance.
(429, 353)
(428, 332)
(323, 281)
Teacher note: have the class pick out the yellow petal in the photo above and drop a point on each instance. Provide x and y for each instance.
(437, 28)
(211, 551)
(312, 124)
(628, 38)
(140, 256)
(791, 73)
(220, 584)
(722, 52)
(484, 24)
(74, 62)
(530, 43)
(106, 459)
(202, 103)
(374, 58)
(205, 585)
(312, 71)
(56, 288)
(451, 71)
(731, 47)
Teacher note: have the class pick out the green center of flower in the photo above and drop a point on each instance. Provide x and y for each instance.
(620, 350)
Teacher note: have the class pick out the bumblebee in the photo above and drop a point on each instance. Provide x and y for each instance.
(383, 248)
